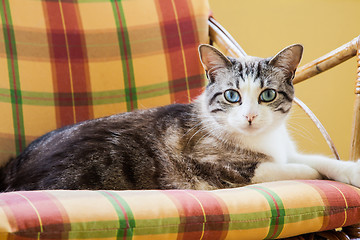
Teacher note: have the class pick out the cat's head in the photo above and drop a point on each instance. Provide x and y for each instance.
(249, 95)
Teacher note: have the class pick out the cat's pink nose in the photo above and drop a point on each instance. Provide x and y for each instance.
(250, 118)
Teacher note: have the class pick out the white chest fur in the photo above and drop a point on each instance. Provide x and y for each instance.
(276, 144)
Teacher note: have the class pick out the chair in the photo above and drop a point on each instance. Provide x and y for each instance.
(66, 61)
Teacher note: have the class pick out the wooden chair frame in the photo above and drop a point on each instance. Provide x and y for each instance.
(227, 44)
(328, 61)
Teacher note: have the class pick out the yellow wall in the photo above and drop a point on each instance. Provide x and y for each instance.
(264, 27)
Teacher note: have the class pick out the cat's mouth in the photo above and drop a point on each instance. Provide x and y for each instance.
(250, 129)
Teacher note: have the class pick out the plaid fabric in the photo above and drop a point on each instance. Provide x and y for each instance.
(263, 211)
(66, 61)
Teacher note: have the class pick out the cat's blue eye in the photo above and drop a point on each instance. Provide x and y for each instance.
(232, 96)
(268, 95)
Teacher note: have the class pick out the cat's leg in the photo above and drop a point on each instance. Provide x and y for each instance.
(270, 171)
(343, 171)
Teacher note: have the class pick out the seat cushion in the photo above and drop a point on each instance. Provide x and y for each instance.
(62, 62)
(269, 210)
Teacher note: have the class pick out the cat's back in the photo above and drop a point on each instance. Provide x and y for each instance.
(89, 153)
(149, 122)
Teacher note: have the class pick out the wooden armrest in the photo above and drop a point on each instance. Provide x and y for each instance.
(225, 42)
(327, 61)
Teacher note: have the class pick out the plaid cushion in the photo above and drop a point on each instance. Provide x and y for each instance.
(262, 211)
(63, 62)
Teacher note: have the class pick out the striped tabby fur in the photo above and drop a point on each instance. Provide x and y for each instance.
(234, 134)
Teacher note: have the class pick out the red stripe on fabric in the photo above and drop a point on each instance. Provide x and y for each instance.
(60, 65)
(27, 214)
(79, 60)
(172, 48)
(352, 198)
(65, 225)
(190, 43)
(190, 214)
(51, 216)
(217, 215)
(126, 54)
(192, 218)
(69, 64)
(13, 77)
(329, 190)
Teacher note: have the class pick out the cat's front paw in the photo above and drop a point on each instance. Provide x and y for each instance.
(355, 177)
(351, 175)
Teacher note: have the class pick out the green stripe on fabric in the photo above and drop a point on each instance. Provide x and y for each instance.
(98, 98)
(125, 215)
(125, 50)
(96, 234)
(261, 219)
(14, 79)
(95, 225)
(103, 97)
(301, 214)
(277, 210)
(30, 98)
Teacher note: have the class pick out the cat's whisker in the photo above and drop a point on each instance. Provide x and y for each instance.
(297, 117)
(142, 106)
(298, 126)
(210, 132)
(188, 131)
(205, 135)
(297, 114)
(205, 126)
(196, 125)
(305, 134)
(195, 134)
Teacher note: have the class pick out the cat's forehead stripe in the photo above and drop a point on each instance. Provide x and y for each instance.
(248, 69)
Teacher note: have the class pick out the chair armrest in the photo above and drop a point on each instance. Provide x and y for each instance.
(224, 41)
(327, 61)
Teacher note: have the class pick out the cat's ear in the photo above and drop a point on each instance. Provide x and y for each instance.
(211, 58)
(288, 58)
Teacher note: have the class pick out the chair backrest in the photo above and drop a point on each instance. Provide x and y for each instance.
(62, 62)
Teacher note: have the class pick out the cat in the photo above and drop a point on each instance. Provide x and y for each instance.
(233, 134)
